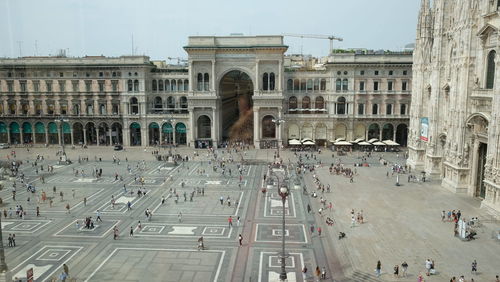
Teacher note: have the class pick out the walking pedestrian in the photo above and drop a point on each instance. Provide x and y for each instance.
(179, 217)
(396, 271)
(84, 201)
(317, 272)
(230, 221)
(474, 267)
(378, 267)
(319, 231)
(404, 268)
(323, 273)
(240, 238)
(131, 231)
(312, 229)
(308, 208)
(304, 273)
(98, 216)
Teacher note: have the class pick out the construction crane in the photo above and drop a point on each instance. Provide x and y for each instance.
(179, 60)
(316, 36)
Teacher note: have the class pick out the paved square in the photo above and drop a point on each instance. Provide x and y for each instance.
(159, 265)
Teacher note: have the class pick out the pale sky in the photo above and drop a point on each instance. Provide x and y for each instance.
(160, 28)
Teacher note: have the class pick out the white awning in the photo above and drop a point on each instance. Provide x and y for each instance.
(306, 139)
(378, 143)
(372, 140)
(308, 143)
(358, 140)
(364, 143)
(339, 139)
(294, 142)
(390, 143)
(342, 143)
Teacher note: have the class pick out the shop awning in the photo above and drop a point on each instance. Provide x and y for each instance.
(342, 143)
(364, 143)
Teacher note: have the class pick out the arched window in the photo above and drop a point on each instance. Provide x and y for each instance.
(292, 103)
(309, 85)
(319, 103)
(302, 85)
(374, 109)
(186, 85)
(206, 80)
(341, 107)
(296, 85)
(130, 85)
(160, 85)
(134, 106)
(271, 81)
(268, 127)
(180, 87)
(306, 104)
(183, 102)
(338, 84)
(323, 85)
(345, 84)
(265, 81)
(490, 71)
(136, 85)
(289, 84)
(167, 85)
(173, 84)
(200, 82)
(316, 85)
(154, 85)
(158, 103)
(170, 102)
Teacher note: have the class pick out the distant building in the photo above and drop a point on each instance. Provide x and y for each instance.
(455, 113)
(231, 87)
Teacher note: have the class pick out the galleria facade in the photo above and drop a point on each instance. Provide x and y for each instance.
(455, 115)
(232, 88)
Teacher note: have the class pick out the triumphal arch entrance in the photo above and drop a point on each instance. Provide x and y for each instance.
(236, 89)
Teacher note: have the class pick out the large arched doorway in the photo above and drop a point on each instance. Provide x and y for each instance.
(402, 134)
(66, 133)
(167, 133)
(3, 133)
(135, 134)
(39, 133)
(204, 132)
(53, 133)
(78, 137)
(388, 132)
(373, 131)
(27, 133)
(180, 133)
(154, 134)
(116, 133)
(91, 133)
(103, 132)
(236, 90)
(15, 133)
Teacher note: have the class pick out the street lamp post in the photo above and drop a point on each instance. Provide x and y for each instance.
(63, 159)
(278, 122)
(170, 120)
(283, 192)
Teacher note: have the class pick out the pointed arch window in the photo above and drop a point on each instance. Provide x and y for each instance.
(490, 70)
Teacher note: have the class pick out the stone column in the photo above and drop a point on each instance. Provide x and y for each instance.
(33, 134)
(72, 137)
(84, 136)
(59, 135)
(31, 103)
(190, 74)
(257, 86)
(279, 76)
(192, 128)
(46, 134)
(144, 136)
(213, 75)
(366, 135)
(173, 135)
(394, 133)
(256, 127)
(109, 106)
(21, 133)
(381, 130)
(126, 136)
(83, 107)
(214, 130)
(110, 136)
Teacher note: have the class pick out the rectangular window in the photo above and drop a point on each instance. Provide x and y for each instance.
(404, 86)
(389, 85)
(48, 83)
(388, 109)
(405, 72)
(88, 85)
(22, 85)
(10, 86)
(362, 72)
(391, 72)
(376, 72)
(115, 109)
(361, 109)
(114, 85)
(375, 109)
(403, 109)
(36, 85)
(375, 86)
(361, 86)
(62, 85)
(101, 86)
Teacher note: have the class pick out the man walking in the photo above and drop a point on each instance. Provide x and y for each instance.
(230, 221)
(240, 238)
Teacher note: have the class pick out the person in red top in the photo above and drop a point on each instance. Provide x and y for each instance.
(319, 231)
(230, 221)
